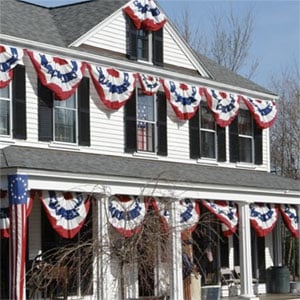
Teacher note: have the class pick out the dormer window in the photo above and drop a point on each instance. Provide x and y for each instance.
(144, 45)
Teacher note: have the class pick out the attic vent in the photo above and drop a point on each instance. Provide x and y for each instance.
(53, 3)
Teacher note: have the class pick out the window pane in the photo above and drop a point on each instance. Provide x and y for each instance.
(207, 119)
(145, 137)
(4, 92)
(246, 152)
(69, 103)
(4, 117)
(65, 125)
(145, 107)
(142, 45)
(245, 123)
(207, 144)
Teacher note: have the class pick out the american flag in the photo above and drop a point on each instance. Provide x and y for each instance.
(4, 214)
(18, 199)
(142, 128)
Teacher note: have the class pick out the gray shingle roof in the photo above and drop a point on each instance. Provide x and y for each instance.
(62, 25)
(105, 165)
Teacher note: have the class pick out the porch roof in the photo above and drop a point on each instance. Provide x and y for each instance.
(19, 157)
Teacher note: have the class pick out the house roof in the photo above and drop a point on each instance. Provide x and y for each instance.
(134, 168)
(63, 25)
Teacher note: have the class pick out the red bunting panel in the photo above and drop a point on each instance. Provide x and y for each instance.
(150, 84)
(264, 112)
(9, 58)
(126, 213)
(290, 217)
(263, 218)
(62, 76)
(226, 212)
(145, 15)
(114, 87)
(225, 106)
(66, 211)
(184, 99)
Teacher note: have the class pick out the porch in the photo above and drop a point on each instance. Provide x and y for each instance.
(269, 297)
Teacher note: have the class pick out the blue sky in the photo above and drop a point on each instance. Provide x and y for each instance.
(276, 34)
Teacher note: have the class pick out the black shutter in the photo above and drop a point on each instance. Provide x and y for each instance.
(19, 103)
(131, 39)
(221, 143)
(45, 102)
(130, 124)
(158, 49)
(84, 112)
(257, 144)
(194, 131)
(162, 138)
(234, 141)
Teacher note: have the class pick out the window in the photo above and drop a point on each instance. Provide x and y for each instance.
(144, 45)
(65, 121)
(245, 139)
(13, 106)
(207, 139)
(146, 124)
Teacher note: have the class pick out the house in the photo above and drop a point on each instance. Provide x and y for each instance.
(110, 121)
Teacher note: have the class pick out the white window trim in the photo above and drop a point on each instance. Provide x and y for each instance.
(150, 52)
(10, 100)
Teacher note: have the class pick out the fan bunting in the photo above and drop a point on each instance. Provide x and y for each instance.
(62, 76)
(9, 58)
(150, 84)
(263, 112)
(126, 213)
(225, 106)
(290, 218)
(184, 99)
(114, 87)
(187, 213)
(226, 212)
(145, 15)
(66, 212)
(263, 218)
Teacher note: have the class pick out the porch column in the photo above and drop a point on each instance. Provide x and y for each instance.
(176, 284)
(245, 253)
(298, 213)
(18, 200)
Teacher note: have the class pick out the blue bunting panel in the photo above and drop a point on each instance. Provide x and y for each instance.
(264, 112)
(226, 212)
(263, 218)
(184, 99)
(290, 217)
(9, 58)
(114, 87)
(187, 213)
(60, 75)
(66, 211)
(126, 213)
(145, 15)
(225, 106)
(150, 84)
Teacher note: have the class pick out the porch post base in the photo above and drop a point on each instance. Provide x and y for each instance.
(248, 297)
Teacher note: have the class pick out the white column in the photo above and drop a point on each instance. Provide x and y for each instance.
(298, 213)
(232, 263)
(245, 252)
(278, 260)
(176, 284)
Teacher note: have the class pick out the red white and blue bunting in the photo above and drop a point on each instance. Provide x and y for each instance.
(114, 87)
(263, 218)
(226, 212)
(264, 112)
(150, 84)
(225, 106)
(126, 213)
(184, 99)
(60, 75)
(290, 218)
(187, 213)
(66, 211)
(9, 58)
(4, 214)
(145, 15)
